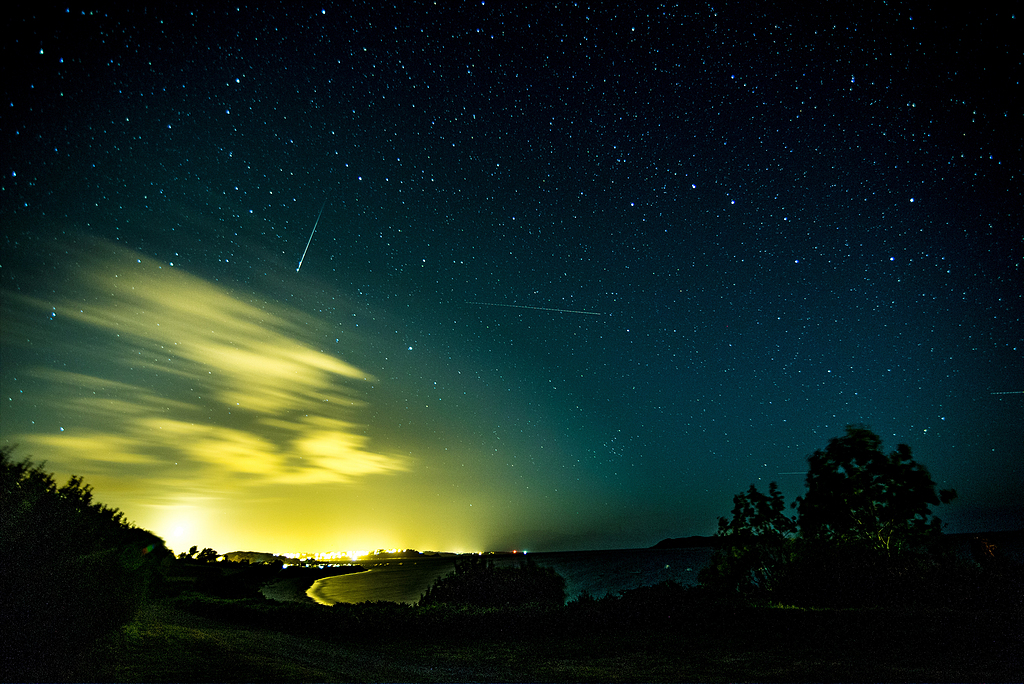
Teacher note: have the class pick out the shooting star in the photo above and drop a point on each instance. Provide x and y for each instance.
(540, 308)
(303, 257)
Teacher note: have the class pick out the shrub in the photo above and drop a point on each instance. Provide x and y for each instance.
(72, 570)
(865, 534)
(478, 582)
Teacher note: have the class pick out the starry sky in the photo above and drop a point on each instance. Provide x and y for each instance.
(579, 274)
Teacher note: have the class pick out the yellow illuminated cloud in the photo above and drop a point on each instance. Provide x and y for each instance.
(92, 445)
(334, 448)
(178, 378)
(251, 353)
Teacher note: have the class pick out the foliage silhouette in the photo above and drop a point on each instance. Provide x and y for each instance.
(207, 555)
(478, 582)
(73, 569)
(857, 493)
(756, 543)
(864, 534)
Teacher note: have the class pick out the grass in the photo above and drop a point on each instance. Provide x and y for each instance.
(783, 646)
(655, 634)
(767, 644)
(156, 650)
(168, 645)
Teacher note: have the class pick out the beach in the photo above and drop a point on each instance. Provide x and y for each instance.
(288, 590)
(401, 580)
(300, 580)
(598, 573)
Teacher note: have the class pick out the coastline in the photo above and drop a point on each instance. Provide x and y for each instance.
(316, 598)
(299, 581)
(289, 590)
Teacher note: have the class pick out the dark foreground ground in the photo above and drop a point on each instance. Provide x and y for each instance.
(167, 643)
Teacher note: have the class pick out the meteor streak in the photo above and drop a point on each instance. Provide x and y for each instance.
(540, 308)
(322, 207)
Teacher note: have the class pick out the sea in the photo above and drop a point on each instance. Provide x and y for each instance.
(404, 580)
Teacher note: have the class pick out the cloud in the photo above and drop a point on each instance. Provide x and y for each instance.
(169, 371)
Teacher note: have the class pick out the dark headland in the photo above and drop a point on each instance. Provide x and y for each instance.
(693, 542)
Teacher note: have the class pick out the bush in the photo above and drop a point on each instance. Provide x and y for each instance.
(72, 570)
(478, 582)
(865, 534)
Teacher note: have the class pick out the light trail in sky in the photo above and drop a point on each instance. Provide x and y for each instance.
(541, 308)
(303, 257)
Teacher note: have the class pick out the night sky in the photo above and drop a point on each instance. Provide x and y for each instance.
(579, 275)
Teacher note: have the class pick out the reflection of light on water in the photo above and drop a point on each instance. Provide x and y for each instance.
(598, 572)
(383, 581)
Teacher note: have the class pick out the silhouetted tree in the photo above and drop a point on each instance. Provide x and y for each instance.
(72, 569)
(207, 555)
(757, 516)
(755, 543)
(856, 493)
(863, 529)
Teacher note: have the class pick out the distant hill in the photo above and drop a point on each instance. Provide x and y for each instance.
(688, 542)
(254, 557)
